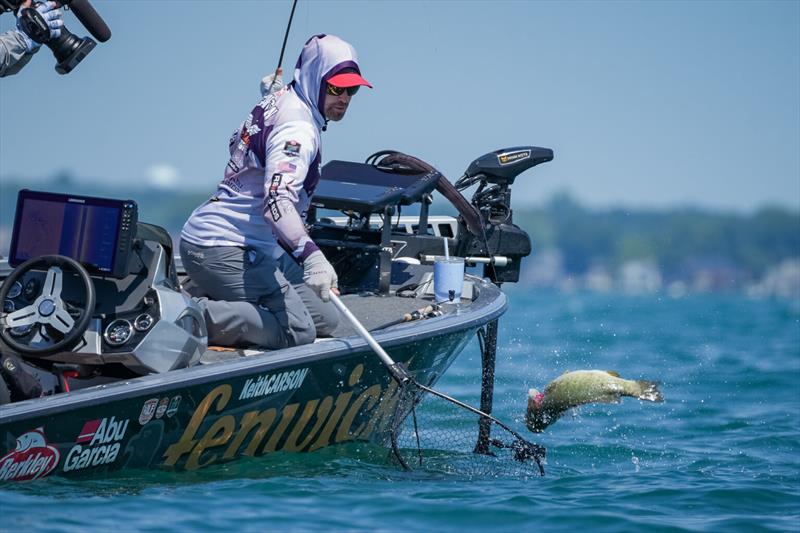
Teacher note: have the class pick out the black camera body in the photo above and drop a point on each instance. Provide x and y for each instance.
(68, 49)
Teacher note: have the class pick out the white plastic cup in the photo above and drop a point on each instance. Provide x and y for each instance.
(448, 278)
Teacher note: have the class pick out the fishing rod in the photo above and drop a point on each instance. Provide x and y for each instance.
(283, 47)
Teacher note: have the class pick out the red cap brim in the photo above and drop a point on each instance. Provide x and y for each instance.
(348, 79)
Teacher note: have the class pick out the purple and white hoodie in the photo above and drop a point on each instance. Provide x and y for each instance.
(275, 162)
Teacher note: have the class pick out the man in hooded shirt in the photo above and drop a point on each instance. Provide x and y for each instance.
(236, 247)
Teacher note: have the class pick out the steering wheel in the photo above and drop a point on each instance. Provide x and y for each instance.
(48, 308)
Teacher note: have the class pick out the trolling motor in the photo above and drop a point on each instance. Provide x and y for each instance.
(68, 49)
(500, 243)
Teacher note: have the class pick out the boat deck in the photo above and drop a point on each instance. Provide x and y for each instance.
(374, 311)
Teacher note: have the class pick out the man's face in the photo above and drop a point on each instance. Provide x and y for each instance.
(336, 106)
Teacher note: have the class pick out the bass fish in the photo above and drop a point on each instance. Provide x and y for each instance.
(572, 389)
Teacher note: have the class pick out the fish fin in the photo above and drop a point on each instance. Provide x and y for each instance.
(613, 373)
(609, 398)
(649, 391)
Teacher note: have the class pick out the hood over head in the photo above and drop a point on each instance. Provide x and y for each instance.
(323, 57)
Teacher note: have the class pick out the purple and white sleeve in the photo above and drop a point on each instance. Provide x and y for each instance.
(291, 153)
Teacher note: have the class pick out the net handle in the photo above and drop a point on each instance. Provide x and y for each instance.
(397, 371)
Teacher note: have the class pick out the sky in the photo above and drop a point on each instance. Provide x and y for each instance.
(645, 104)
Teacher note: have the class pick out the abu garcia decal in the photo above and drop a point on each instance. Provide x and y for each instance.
(97, 444)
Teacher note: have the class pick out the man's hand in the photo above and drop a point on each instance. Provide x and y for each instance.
(320, 275)
(271, 84)
(53, 18)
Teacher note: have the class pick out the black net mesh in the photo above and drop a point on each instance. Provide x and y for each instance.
(432, 431)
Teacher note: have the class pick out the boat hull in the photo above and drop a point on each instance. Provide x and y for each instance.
(301, 400)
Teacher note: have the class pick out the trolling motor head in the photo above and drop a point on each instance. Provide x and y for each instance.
(495, 172)
(68, 49)
(503, 166)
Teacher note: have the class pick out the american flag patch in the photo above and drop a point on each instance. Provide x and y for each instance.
(285, 166)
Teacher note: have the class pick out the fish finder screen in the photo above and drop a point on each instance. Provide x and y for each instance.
(76, 227)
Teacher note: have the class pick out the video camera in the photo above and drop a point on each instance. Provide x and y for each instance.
(68, 49)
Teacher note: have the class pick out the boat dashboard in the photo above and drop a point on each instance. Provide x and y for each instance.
(92, 287)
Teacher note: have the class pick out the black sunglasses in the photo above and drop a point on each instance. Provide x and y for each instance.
(333, 90)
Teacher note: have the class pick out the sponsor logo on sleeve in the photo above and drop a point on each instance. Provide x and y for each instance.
(148, 410)
(173, 406)
(31, 458)
(291, 148)
(274, 183)
(511, 157)
(267, 104)
(97, 444)
(274, 210)
(162, 407)
(272, 204)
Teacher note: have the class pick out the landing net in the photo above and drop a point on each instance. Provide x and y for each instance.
(433, 431)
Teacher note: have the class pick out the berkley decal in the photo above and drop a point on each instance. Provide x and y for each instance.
(148, 410)
(510, 157)
(97, 444)
(271, 383)
(32, 458)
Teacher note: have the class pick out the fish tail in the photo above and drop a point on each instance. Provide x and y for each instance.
(648, 390)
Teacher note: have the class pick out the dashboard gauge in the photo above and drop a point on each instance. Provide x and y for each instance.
(143, 322)
(15, 290)
(8, 306)
(21, 331)
(118, 332)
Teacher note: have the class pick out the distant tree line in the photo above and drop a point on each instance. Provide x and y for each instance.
(675, 239)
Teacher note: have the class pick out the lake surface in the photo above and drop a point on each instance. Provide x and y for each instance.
(721, 454)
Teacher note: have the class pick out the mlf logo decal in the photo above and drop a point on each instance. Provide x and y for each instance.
(32, 458)
(148, 410)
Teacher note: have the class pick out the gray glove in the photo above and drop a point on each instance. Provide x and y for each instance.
(52, 16)
(271, 84)
(320, 275)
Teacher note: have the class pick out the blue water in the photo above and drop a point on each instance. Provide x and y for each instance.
(721, 454)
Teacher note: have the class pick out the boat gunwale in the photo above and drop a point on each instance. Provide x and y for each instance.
(491, 302)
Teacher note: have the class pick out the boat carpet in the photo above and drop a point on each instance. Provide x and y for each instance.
(372, 310)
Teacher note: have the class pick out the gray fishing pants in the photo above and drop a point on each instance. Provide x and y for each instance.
(250, 299)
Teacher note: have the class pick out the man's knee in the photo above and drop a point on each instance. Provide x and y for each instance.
(326, 319)
(239, 324)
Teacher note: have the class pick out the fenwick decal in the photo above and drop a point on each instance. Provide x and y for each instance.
(32, 458)
(97, 444)
(291, 429)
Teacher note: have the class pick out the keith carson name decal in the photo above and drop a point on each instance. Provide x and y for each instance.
(31, 458)
(271, 383)
(98, 444)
